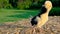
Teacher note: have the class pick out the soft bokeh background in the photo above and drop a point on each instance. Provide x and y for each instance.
(15, 17)
(13, 10)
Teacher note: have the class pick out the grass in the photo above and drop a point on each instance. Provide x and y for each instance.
(55, 11)
(7, 15)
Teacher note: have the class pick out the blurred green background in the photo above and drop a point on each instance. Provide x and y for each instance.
(13, 10)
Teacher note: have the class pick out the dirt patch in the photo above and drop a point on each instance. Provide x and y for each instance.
(24, 27)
